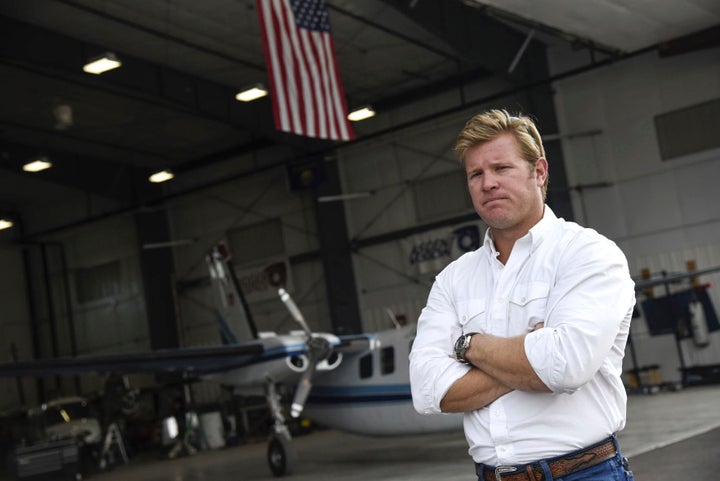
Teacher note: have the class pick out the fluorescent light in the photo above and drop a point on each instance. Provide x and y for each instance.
(350, 196)
(361, 113)
(5, 224)
(103, 63)
(251, 93)
(162, 176)
(175, 243)
(37, 165)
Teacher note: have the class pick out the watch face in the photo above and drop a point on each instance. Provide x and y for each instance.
(459, 344)
(461, 347)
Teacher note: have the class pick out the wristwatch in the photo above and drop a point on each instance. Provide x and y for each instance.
(461, 347)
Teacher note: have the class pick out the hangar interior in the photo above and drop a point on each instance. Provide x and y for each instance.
(99, 260)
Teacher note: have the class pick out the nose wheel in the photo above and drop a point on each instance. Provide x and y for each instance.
(281, 455)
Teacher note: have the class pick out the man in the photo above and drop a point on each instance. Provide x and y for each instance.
(526, 335)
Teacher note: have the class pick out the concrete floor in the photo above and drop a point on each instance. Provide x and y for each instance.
(669, 436)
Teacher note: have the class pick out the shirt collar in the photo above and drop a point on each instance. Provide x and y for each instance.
(538, 231)
(489, 245)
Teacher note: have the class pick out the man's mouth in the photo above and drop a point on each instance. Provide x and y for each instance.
(494, 199)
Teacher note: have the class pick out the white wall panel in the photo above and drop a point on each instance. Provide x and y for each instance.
(117, 323)
(650, 204)
(699, 190)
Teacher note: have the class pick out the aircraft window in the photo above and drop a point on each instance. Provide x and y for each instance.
(366, 366)
(387, 360)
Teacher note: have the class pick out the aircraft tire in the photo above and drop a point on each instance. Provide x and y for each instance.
(281, 455)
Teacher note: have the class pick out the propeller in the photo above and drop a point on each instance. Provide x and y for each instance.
(318, 349)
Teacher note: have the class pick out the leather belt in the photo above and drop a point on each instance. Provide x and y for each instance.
(559, 466)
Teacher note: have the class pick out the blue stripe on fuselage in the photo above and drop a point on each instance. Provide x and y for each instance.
(359, 394)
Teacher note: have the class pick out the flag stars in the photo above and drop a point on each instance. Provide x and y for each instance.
(311, 15)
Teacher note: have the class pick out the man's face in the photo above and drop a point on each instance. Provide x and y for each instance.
(505, 189)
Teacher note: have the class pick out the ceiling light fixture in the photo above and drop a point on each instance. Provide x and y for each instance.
(350, 196)
(41, 163)
(103, 63)
(361, 113)
(175, 243)
(63, 113)
(251, 93)
(162, 176)
(5, 224)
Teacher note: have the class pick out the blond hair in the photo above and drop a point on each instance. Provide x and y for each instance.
(489, 125)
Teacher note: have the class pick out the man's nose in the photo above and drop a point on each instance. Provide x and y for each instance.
(489, 181)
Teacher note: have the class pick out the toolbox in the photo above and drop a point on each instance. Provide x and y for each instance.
(55, 459)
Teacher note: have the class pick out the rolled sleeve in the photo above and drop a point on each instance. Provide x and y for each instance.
(549, 364)
(588, 313)
(430, 380)
(432, 370)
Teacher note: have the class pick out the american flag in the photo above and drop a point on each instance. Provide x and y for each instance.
(307, 94)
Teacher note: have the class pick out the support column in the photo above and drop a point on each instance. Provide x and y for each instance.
(157, 269)
(337, 256)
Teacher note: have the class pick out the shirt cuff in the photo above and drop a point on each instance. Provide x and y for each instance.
(449, 376)
(543, 357)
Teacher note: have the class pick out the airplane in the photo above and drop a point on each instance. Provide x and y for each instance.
(356, 383)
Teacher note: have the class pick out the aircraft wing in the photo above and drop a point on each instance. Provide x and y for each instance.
(193, 360)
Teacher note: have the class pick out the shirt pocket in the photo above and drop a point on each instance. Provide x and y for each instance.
(528, 304)
(471, 315)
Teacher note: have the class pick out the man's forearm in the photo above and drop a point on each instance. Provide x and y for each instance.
(504, 359)
(474, 390)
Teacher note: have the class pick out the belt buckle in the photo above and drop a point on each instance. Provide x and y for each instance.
(500, 470)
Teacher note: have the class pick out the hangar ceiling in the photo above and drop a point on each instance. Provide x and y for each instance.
(171, 105)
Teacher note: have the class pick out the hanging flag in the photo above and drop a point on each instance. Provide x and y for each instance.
(307, 94)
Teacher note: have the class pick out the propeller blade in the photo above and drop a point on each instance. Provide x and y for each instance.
(319, 349)
(302, 392)
(294, 311)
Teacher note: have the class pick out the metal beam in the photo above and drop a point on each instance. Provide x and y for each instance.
(474, 36)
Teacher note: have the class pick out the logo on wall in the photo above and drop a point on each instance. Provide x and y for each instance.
(430, 252)
(262, 282)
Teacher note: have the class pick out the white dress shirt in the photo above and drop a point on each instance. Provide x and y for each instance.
(575, 281)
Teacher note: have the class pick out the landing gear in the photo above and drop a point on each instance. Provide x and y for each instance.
(281, 455)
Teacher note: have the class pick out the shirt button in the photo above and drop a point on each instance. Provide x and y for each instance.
(500, 300)
(522, 300)
(464, 318)
(502, 449)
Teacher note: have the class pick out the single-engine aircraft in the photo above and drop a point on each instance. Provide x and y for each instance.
(356, 383)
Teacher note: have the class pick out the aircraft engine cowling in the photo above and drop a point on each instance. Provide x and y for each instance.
(332, 361)
(298, 363)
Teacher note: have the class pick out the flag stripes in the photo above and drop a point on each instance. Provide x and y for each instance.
(307, 93)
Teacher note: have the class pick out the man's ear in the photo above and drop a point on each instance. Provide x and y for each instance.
(541, 170)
